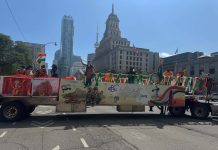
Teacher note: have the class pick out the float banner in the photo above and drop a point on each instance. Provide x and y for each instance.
(45, 86)
(121, 94)
(1, 82)
(16, 86)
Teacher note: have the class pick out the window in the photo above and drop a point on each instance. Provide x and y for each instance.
(140, 59)
(126, 62)
(121, 52)
(120, 62)
(130, 58)
(140, 53)
(140, 64)
(127, 57)
(120, 67)
(133, 63)
(192, 72)
(127, 52)
(133, 58)
(120, 56)
(137, 64)
(212, 69)
(130, 63)
(137, 59)
(130, 53)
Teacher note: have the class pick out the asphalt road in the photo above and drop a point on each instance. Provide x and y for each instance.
(102, 128)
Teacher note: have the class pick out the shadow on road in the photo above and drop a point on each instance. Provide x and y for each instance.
(102, 120)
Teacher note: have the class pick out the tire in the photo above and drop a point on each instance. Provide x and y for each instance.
(200, 111)
(177, 111)
(12, 111)
(30, 109)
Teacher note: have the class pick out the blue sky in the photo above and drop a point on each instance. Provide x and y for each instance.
(159, 25)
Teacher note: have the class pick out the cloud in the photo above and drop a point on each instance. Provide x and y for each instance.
(163, 55)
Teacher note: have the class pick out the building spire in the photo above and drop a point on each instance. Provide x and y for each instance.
(96, 43)
(113, 8)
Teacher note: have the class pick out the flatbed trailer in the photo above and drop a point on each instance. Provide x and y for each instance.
(19, 96)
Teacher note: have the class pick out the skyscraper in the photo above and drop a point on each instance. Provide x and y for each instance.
(66, 54)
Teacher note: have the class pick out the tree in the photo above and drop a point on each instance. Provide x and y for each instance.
(13, 55)
(6, 53)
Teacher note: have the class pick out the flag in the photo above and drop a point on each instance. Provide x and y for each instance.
(176, 52)
(40, 57)
(135, 50)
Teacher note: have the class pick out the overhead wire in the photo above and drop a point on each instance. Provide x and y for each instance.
(15, 21)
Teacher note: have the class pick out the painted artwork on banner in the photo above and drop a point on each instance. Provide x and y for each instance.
(45, 86)
(120, 94)
(16, 86)
(1, 82)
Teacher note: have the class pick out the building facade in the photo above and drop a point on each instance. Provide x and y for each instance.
(214, 54)
(66, 50)
(77, 66)
(172, 62)
(91, 57)
(203, 64)
(114, 53)
(57, 57)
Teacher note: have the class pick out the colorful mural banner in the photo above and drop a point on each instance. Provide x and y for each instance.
(121, 94)
(45, 87)
(16, 86)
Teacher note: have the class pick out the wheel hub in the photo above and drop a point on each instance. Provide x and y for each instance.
(10, 112)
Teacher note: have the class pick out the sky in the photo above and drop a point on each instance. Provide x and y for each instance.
(159, 25)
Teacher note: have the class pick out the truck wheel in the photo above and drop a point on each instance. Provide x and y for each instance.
(200, 111)
(30, 109)
(12, 111)
(177, 111)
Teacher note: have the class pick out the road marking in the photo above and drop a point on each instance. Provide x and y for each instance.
(42, 124)
(3, 134)
(84, 142)
(56, 148)
(13, 123)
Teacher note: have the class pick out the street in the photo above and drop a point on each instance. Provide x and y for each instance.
(102, 128)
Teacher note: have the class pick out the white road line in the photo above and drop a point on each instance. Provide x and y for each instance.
(84, 142)
(56, 147)
(3, 134)
(13, 123)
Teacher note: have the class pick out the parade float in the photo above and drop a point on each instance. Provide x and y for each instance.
(19, 95)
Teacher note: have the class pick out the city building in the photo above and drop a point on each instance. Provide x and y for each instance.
(172, 62)
(91, 57)
(36, 48)
(77, 66)
(114, 53)
(66, 50)
(202, 64)
(57, 57)
(75, 59)
(214, 54)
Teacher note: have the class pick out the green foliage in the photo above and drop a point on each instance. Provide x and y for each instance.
(13, 55)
